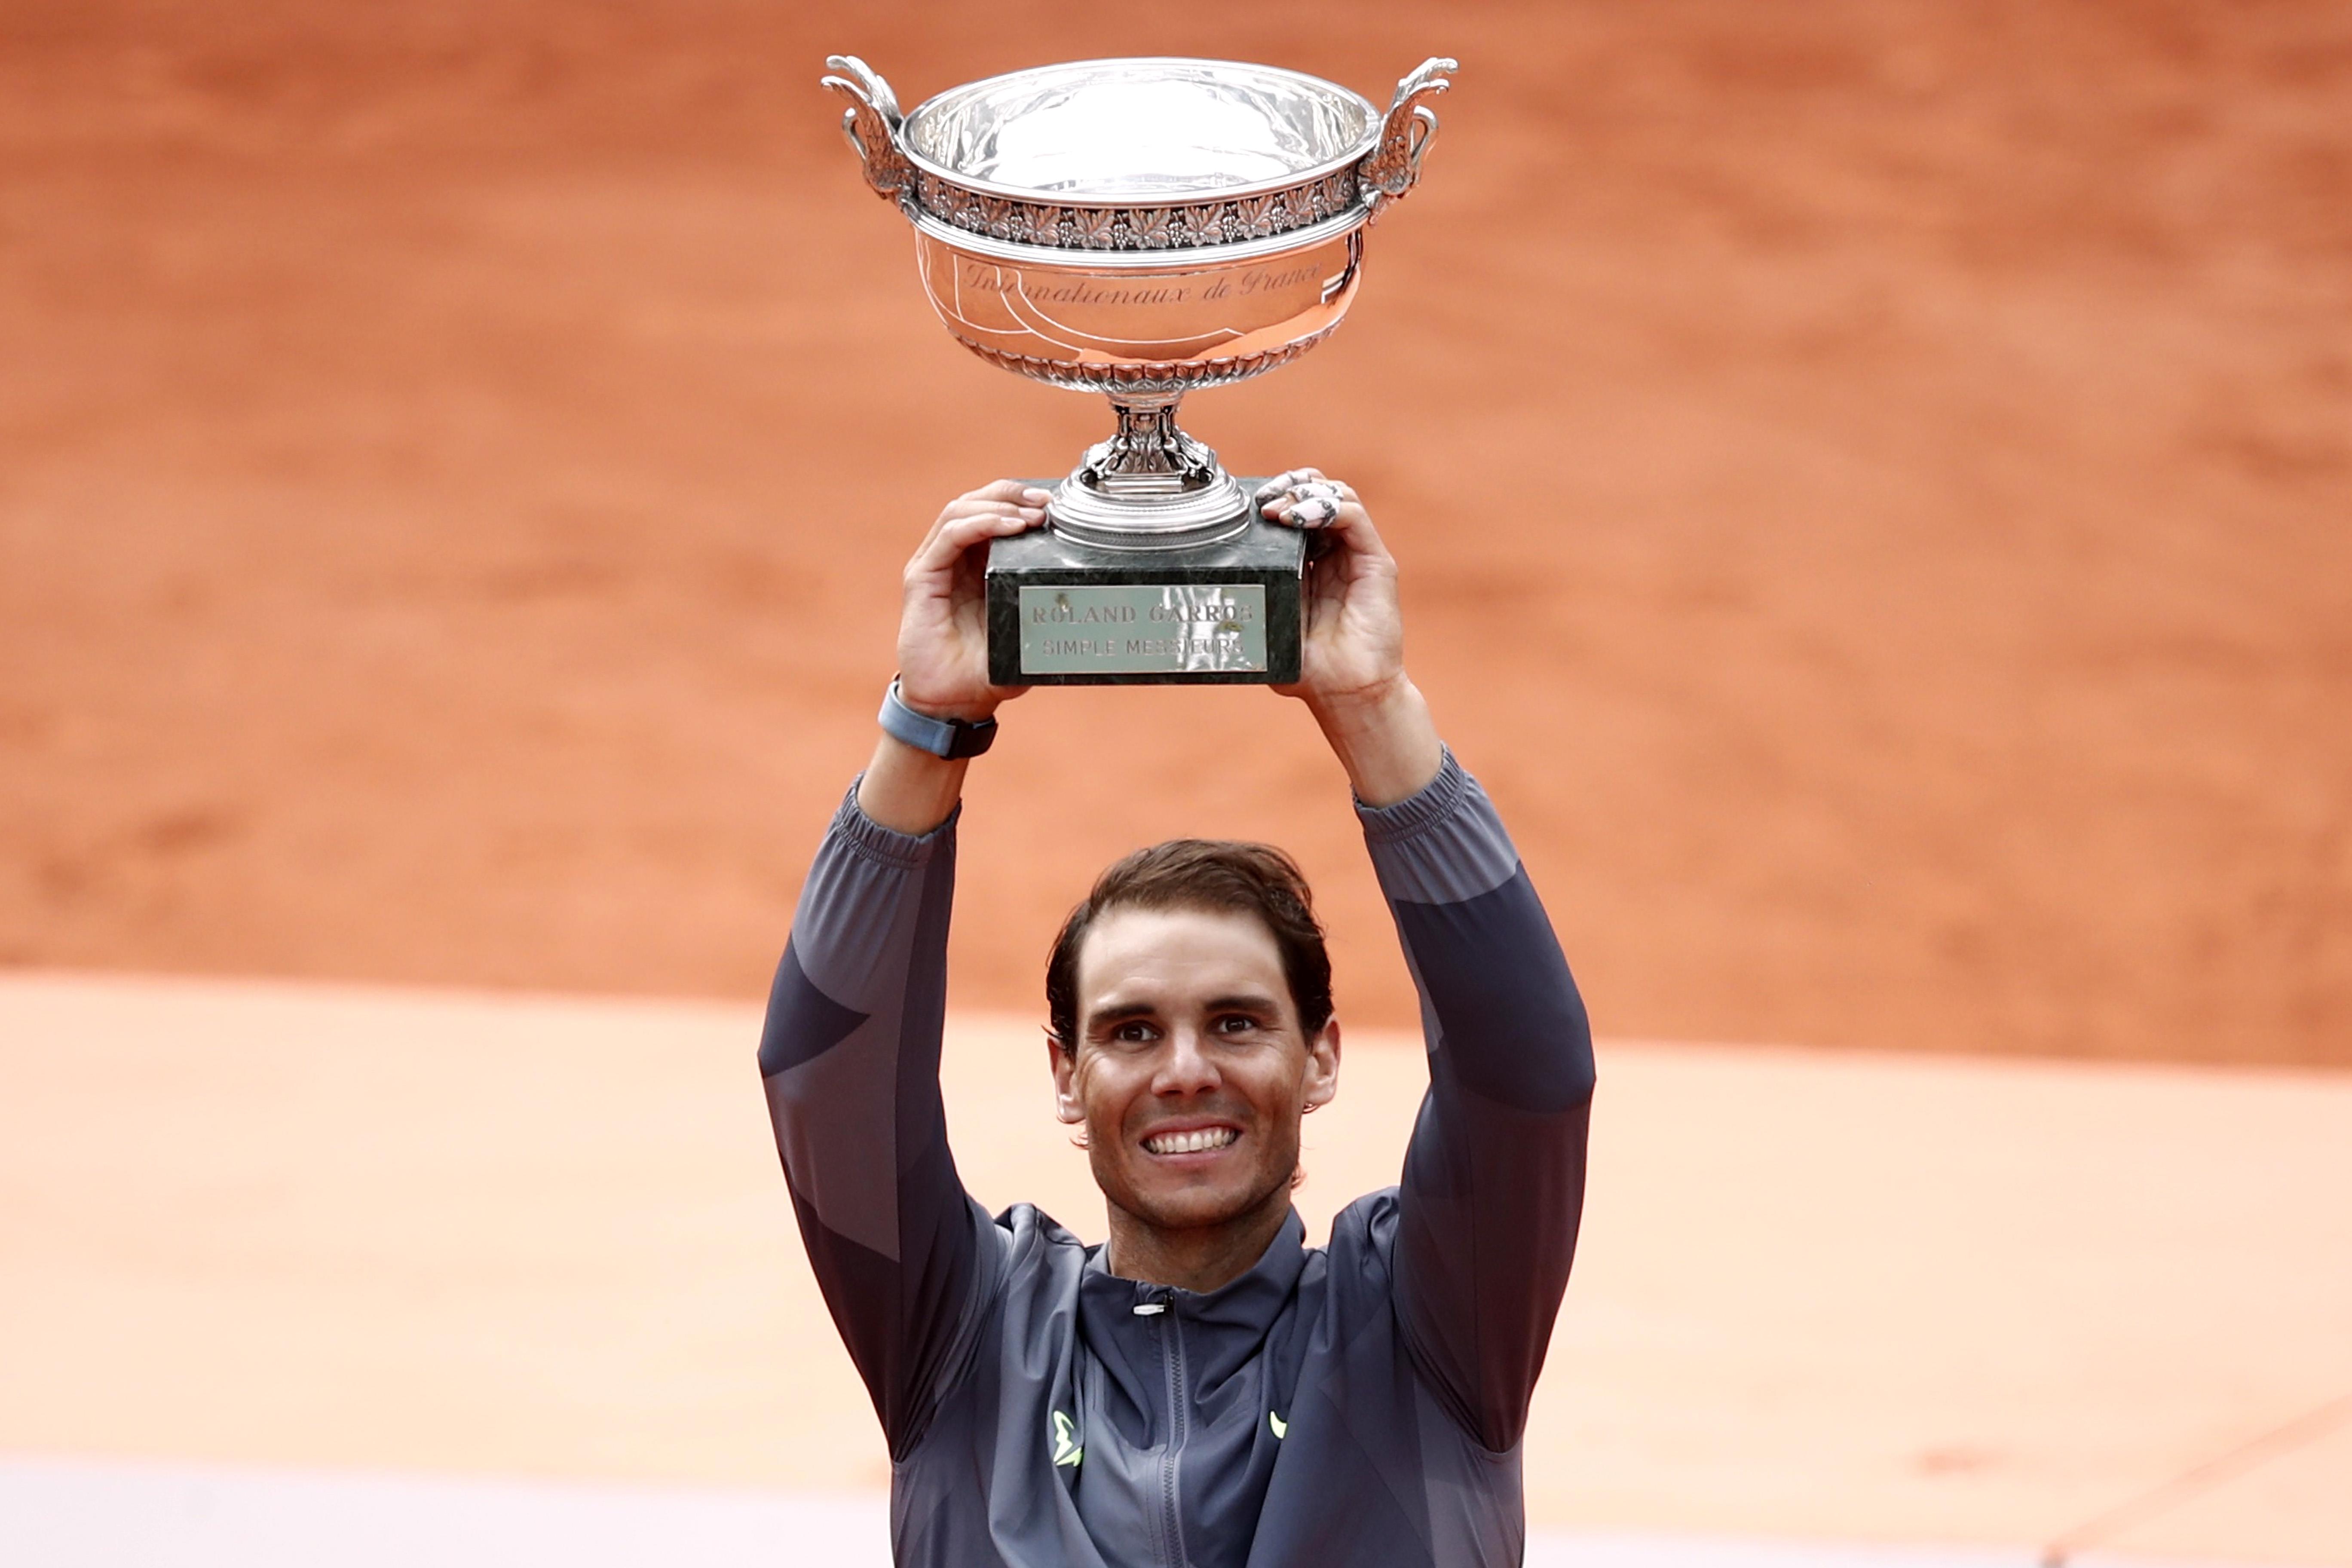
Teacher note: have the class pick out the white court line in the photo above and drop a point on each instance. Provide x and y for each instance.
(69, 1513)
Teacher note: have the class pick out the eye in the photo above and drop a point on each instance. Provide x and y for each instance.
(1235, 1024)
(1135, 1032)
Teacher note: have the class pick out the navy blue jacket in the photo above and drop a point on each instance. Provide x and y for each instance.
(1356, 1404)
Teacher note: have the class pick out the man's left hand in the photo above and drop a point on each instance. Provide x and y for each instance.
(1352, 645)
(1351, 666)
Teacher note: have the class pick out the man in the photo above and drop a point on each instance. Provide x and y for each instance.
(1203, 1389)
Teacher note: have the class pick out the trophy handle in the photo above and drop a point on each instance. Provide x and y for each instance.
(870, 125)
(1390, 168)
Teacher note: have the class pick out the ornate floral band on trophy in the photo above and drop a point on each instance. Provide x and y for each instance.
(1141, 228)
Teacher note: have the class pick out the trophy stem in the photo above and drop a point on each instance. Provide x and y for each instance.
(1150, 485)
(1151, 452)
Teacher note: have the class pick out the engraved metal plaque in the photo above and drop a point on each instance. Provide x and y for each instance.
(1141, 628)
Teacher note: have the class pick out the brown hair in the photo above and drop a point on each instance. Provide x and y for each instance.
(1212, 874)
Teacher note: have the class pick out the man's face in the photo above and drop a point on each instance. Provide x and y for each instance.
(1190, 1072)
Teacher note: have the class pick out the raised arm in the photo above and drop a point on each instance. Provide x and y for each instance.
(850, 1054)
(1494, 1179)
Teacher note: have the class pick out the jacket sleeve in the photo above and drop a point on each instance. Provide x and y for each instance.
(1494, 1178)
(850, 1056)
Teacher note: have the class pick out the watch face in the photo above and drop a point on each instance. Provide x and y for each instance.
(971, 740)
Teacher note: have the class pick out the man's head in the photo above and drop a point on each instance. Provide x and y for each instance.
(1190, 1001)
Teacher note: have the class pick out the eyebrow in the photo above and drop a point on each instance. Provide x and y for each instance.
(1243, 1002)
(1103, 1017)
(1240, 1001)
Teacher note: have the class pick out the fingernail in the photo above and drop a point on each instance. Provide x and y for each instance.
(1036, 497)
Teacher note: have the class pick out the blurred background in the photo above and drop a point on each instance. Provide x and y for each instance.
(1873, 483)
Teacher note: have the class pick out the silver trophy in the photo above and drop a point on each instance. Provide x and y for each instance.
(1142, 228)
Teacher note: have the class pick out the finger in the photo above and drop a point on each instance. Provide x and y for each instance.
(964, 509)
(1311, 503)
(928, 553)
(1014, 490)
(964, 530)
(1320, 498)
(1352, 525)
(1005, 492)
(1283, 481)
(967, 507)
(1345, 524)
(959, 529)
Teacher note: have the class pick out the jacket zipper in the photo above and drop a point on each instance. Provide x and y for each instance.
(1178, 1427)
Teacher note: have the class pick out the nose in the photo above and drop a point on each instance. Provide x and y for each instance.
(1185, 1067)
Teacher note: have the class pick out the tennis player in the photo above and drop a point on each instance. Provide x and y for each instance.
(1204, 1389)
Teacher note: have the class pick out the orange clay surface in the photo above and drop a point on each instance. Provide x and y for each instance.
(1820, 1295)
(1873, 483)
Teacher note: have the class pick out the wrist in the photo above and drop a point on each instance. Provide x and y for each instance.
(1364, 719)
(908, 789)
(961, 711)
(949, 739)
(1384, 736)
(1360, 705)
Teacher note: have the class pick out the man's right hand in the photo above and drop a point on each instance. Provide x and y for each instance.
(943, 619)
(943, 652)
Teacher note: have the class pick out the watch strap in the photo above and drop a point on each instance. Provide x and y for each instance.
(949, 738)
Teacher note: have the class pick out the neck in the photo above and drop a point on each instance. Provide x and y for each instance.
(1199, 1259)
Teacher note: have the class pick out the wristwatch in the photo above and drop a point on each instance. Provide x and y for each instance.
(950, 738)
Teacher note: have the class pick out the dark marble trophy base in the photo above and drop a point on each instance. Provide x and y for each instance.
(1061, 613)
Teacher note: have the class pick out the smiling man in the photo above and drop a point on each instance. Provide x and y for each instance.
(1203, 1390)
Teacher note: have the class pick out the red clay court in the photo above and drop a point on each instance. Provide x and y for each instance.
(1871, 484)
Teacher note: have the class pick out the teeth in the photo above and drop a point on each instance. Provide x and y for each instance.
(1207, 1138)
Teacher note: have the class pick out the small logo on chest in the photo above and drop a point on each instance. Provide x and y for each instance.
(1065, 1441)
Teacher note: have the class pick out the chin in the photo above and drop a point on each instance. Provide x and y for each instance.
(1168, 1203)
(1193, 1211)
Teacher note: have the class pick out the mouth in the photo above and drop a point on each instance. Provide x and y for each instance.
(1191, 1140)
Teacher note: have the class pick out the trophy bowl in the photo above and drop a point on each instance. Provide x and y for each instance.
(1142, 228)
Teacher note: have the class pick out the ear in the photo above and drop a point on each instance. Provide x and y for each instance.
(1322, 1082)
(1064, 1064)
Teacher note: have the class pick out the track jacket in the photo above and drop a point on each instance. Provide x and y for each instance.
(1359, 1404)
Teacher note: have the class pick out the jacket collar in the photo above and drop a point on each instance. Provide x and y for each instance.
(1222, 1328)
